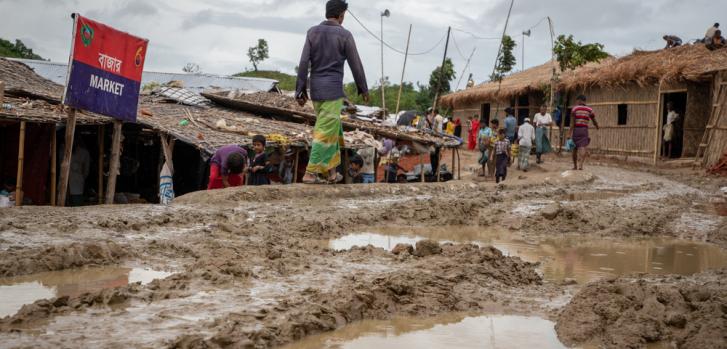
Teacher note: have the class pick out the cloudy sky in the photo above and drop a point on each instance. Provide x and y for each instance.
(216, 33)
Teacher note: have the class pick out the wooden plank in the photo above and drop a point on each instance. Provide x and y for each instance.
(21, 163)
(53, 165)
(114, 164)
(67, 153)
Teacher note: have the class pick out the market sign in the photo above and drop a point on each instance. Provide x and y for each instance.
(105, 70)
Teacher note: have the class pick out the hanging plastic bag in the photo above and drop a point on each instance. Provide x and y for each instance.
(166, 186)
(570, 145)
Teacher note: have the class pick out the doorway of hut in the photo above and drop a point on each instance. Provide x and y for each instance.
(679, 101)
(485, 114)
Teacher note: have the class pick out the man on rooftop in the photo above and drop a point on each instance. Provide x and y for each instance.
(327, 46)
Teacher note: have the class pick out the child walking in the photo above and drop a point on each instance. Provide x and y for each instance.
(502, 156)
(259, 167)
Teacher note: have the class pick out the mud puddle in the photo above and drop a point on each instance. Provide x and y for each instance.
(580, 258)
(448, 331)
(18, 291)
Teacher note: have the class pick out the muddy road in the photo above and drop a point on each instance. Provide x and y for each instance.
(267, 267)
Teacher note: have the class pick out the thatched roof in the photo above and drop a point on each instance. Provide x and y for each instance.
(22, 81)
(683, 63)
(523, 82)
(43, 112)
(205, 130)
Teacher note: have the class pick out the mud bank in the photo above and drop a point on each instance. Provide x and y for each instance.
(456, 278)
(688, 312)
(253, 267)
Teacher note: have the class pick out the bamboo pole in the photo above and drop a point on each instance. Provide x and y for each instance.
(67, 153)
(53, 165)
(657, 134)
(2, 93)
(101, 152)
(441, 70)
(403, 71)
(454, 151)
(459, 166)
(421, 167)
(114, 164)
(21, 163)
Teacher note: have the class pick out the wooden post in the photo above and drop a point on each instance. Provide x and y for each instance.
(439, 165)
(459, 166)
(421, 166)
(67, 152)
(657, 136)
(453, 159)
(376, 165)
(403, 71)
(346, 177)
(114, 164)
(441, 70)
(101, 152)
(21, 160)
(168, 150)
(295, 166)
(53, 165)
(2, 93)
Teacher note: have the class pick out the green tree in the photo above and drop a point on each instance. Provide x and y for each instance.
(259, 53)
(17, 50)
(506, 61)
(572, 54)
(412, 97)
(441, 78)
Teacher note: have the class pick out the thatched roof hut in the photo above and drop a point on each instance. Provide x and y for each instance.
(521, 83)
(693, 63)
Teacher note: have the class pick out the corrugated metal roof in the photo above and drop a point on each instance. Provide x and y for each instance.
(56, 72)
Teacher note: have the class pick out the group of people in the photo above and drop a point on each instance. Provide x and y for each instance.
(713, 39)
(497, 146)
(231, 166)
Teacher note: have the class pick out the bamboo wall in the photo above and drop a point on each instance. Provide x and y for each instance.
(637, 137)
(699, 109)
(717, 142)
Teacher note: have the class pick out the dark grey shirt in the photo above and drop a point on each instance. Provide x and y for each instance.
(327, 46)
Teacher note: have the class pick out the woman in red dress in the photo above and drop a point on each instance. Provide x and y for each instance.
(474, 130)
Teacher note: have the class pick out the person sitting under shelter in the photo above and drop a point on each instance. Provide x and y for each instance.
(672, 41)
(226, 167)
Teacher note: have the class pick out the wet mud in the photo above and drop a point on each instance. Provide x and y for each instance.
(253, 267)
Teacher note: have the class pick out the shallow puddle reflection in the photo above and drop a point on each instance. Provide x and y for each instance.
(566, 256)
(18, 291)
(448, 331)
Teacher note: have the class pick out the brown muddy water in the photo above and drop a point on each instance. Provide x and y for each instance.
(18, 291)
(447, 331)
(562, 257)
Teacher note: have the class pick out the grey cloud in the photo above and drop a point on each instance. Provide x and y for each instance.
(232, 19)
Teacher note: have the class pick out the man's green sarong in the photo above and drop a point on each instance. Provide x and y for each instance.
(327, 137)
(542, 143)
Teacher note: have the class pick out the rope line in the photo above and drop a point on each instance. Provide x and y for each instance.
(391, 47)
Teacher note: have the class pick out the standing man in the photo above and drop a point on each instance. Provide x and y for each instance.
(526, 135)
(542, 120)
(80, 167)
(327, 46)
(510, 125)
(582, 115)
(670, 130)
